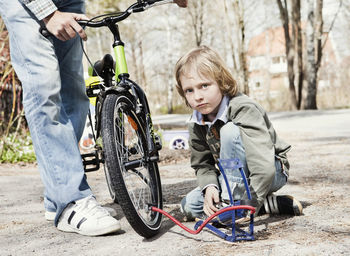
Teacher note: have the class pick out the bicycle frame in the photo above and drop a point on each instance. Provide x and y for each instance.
(123, 84)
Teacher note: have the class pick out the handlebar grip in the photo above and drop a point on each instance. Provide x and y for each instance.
(43, 30)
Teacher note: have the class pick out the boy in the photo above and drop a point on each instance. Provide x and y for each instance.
(227, 124)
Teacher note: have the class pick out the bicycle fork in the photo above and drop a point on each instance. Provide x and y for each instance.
(121, 75)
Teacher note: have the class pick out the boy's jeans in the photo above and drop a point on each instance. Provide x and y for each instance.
(54, 100)
(231, 147)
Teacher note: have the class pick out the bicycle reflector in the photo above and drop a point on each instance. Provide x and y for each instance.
(132, 123)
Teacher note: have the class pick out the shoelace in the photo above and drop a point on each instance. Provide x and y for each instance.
(89, 206)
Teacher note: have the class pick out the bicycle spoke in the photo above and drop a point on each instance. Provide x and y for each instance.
(128, 140)
(135, 180)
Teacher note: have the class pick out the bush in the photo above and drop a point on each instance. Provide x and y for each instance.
(14, 149)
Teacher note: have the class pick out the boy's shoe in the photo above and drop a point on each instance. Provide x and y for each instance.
(225, 218)
(87, 217)
(282, 205)
(50, 216)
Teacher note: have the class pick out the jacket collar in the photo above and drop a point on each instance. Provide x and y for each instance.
(197, 117)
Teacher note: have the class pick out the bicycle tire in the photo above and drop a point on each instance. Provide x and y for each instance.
(139, 187)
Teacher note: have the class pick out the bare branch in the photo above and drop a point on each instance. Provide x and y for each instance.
(332, 23)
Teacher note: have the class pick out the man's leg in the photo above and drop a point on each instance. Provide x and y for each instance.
(52, 130)
(73, 90)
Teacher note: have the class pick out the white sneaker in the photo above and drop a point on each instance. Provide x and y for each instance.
(50, 216)
(87, 217)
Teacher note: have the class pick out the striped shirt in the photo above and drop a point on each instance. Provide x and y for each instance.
(40, 8)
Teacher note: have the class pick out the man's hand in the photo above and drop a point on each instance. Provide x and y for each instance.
(64, 26)
(211, 197)
(181, 3)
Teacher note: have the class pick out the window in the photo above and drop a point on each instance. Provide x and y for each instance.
(275, 60)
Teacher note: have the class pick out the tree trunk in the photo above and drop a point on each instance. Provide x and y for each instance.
(196, 12)
(298, 49)
(318, 33)
(230, 36)
(239, 13)
(142, 74)
(170, 78)
(240, 68)
(314, 52)
(289, 50)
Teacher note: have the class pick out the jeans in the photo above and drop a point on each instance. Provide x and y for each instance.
(231, 146)
(54, 101)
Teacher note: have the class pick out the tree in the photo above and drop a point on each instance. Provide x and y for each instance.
(284, 15)
(239, 39)
(298, 46)
(196, 12)
(314, 51)
(315, 43)
(239, 14)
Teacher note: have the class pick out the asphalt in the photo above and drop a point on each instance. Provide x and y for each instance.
(320, 179)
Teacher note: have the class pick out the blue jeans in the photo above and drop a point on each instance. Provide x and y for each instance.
(54, 100)
(231, 146)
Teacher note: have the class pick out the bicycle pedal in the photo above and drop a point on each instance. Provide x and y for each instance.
(157, 142)
(154, 158)
(91, 161)
(132, 150)
(92, 90)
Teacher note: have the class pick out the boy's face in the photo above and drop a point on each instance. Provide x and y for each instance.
(202, 93)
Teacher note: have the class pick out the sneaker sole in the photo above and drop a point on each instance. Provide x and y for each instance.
(97, 232)
(50, 216)
(297, 207)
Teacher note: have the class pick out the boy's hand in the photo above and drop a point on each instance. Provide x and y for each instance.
(211, 197)
(181, 3)
(64, 26)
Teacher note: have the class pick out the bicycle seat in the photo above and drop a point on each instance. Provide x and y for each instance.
(104, 66)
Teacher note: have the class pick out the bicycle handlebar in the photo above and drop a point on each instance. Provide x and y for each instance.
(139, 6)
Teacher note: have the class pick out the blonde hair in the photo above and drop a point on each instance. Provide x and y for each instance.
(208, 63)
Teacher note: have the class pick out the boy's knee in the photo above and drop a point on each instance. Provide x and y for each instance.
(187, 206)
(192, 205)
(229, 132)
(183, 204)
(186, 210)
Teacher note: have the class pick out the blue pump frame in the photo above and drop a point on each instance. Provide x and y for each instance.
(237, 234)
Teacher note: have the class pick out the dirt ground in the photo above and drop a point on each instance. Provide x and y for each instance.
(319, 178)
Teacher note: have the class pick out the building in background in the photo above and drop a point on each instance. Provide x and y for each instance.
(267, 65)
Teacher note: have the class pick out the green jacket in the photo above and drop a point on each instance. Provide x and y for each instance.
(259, 139)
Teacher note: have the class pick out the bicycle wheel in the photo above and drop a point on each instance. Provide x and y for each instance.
(134, 179)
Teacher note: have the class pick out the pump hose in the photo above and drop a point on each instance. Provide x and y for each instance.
(194, 232)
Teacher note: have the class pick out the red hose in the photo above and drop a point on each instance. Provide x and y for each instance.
(194, 232)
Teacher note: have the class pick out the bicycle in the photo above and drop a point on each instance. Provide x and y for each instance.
(129, 150)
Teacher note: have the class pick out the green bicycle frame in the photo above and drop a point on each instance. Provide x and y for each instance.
(120, 66)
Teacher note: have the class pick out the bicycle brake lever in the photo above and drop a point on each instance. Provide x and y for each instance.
(139, 8)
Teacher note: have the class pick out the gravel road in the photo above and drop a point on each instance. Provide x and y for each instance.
(320, 179)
